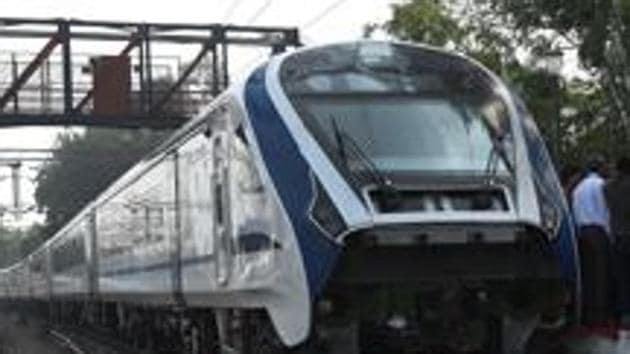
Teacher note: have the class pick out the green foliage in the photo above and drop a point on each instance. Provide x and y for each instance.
(493, 30)
(599, 30)
(9, 246)
(16, 244)
(83, 166)
(587, 22)
(426, 21)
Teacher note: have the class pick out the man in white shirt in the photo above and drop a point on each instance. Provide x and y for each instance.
(592, 220)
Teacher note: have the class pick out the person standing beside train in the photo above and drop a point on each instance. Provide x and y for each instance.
(617, 193)
(593, 223)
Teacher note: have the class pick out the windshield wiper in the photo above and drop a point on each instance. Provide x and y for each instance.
(389, 196)
(497, 154)
(341, 146)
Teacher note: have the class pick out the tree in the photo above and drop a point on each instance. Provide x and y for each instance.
(425, 21)
(9, 246)
(493, 32)
(83, 165)
(599, 31)
(15, 244)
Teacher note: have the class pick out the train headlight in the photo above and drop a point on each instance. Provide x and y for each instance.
(550, 214)
(550, 218)
(397, 322)
(325, 213)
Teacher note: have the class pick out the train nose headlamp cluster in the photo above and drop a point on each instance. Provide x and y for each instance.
(325, 213)
(550, 213)
(397, 322)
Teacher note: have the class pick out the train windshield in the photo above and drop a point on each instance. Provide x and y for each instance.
(403, 109)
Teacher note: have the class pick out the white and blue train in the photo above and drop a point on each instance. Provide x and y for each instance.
(361, 197)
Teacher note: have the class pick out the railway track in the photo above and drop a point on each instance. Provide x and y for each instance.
(65, 341)
(90, 341)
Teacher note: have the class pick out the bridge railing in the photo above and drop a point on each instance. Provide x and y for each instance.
(56, 85)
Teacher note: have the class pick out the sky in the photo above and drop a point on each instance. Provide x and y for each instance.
(319, 21)
(344, 20)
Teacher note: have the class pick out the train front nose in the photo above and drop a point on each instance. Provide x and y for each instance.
(438, 268)
(418, 287)
(437, 253)
(423, 187)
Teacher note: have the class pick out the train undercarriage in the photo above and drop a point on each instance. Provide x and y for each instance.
(380, 299)
(440, 298)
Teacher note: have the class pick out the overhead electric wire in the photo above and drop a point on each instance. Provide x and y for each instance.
(261, 10)
(330, 8)
(230, 10)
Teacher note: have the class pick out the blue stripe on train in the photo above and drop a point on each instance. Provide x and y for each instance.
(291, 177)
(564, 248)
(564, 245)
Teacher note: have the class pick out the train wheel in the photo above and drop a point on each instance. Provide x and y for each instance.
(260, 336)
(494, 335)
(209, 334)
(202, 336)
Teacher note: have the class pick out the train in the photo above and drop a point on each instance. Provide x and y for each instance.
(356, 197)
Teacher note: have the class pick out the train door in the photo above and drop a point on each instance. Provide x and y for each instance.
(221, 207)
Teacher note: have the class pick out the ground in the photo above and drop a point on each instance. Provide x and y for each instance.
(599, 345)
(18, 336)
(29, 337)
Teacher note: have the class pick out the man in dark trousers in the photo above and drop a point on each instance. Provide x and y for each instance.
(592, 219)
(617, 194)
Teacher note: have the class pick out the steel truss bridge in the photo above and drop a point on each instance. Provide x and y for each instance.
(54, 86)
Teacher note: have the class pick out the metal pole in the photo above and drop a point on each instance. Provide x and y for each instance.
(64, 32)
(14, 73)
(224, 63)
(15, 184)
(42, 86)
(177, 252)
(142, 100)
(215, 71)
(148, 73)
(47, 105)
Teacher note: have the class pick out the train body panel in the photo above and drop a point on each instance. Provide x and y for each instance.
(135, 230)
(224, 192)
(68, 269)
(39, 281)
(4, 291)
(19, 280)
(11, 280)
